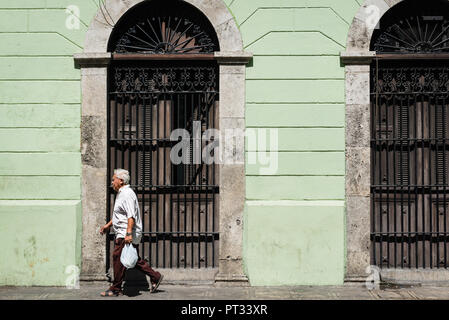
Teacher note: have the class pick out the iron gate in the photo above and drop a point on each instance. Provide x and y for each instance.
(164, 77)
(409, 163)
(178, 202)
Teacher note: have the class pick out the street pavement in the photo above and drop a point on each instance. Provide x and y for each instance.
(351, 291)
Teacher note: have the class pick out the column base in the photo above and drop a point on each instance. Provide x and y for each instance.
(231, 280)
(93, 277)
(356, 278)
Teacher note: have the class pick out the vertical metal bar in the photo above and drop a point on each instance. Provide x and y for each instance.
(185, 177)
(122, 143)
(429, 107)
(115, 131)
(116, 136)
(143, 169)
(199, 184)
(404, 175)
(397, 132)
(423, 183)
(150, 182)
(192, 102)
(416, 180)
(387, 193)
(136, 168)
(108, 175)
(170, 168)
(130, 136)
(373, 137)
(164, 204)
(437, 218)
(380, 185)
(158, 188)
(178, 117)
(403, 179)
(444, 141)
(409, 214)
(207, 186)
(213, 191)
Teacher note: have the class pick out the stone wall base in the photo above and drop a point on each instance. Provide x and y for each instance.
(420, 276)
(231, 280)
(355, 279)
(203, 276)
(94, 277)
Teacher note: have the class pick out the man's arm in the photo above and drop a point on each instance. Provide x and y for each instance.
(105, 227)
(129, 230)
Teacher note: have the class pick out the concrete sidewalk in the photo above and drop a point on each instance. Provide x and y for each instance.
(91, 291)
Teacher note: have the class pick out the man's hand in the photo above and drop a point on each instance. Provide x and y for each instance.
(104, 228)
(128, 239)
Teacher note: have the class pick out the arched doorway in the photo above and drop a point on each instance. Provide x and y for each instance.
(163, 77)
(410, 137)
(359, 60)
(95, 83)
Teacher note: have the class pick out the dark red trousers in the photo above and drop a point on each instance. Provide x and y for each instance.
(119, 269)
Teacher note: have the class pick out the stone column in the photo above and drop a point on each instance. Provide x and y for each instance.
(94, 161)
(358, 166)
(232, 168)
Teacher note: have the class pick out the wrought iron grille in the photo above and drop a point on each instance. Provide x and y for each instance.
(178, 203)
(409, 157)
(164, 27)
(413, 26)
(165, 35)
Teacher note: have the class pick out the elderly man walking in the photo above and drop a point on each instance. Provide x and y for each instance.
(127, 227)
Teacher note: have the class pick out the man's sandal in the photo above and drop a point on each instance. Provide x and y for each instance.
(110, 293)
(154, 286)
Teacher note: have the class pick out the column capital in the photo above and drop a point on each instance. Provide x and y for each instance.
(357, 57)
(92, 59)
(233, 58)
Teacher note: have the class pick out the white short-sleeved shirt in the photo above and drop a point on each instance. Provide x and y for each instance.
(126, 206)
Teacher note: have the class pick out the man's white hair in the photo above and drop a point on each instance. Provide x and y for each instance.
(123, 175)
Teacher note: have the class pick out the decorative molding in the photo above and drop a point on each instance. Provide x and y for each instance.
(357, 57)
(233, 58)
(164, 79)
(92, 60)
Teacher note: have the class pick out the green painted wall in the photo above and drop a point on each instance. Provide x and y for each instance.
(42, 238)
(294, 219)
(294, 243)
(40, 160)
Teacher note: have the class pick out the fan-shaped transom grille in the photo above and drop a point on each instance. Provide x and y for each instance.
(413, 27)
(165, 35)
(172, 27)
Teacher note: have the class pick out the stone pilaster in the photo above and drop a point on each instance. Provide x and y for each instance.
(232, 168)
(94, 162)
(358, 166)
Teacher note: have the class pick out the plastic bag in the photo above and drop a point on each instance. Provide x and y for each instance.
(129, 256)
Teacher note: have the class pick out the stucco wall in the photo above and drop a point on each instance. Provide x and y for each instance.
(294, 220)
(40, 161)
